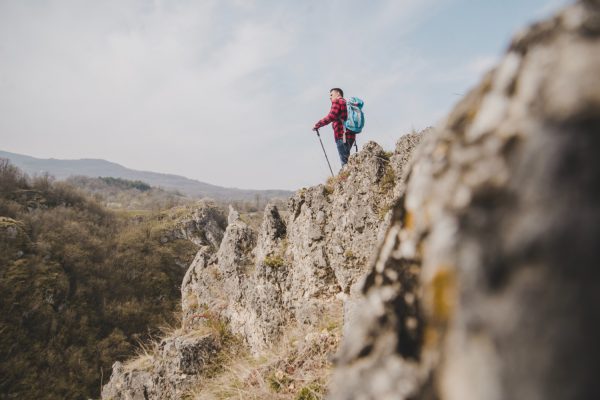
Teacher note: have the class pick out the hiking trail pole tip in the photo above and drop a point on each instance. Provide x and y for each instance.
(324, 152)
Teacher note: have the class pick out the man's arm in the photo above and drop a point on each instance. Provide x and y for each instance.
(334, 115)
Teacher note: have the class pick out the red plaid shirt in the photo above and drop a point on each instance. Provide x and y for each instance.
(337, 114)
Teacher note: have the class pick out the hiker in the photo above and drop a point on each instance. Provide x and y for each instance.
(344, 138)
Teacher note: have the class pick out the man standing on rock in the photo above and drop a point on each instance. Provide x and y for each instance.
(344, 139)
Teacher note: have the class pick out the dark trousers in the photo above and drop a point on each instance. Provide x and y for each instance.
(344, 149)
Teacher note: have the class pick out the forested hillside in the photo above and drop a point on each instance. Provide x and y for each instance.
(81, 285)
(63, 169)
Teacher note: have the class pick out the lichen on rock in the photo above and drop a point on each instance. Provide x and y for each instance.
(497, 222)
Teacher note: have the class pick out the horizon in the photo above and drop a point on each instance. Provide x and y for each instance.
(126, 167)
(198, 89)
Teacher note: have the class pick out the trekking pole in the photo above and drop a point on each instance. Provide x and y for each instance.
(324, 152)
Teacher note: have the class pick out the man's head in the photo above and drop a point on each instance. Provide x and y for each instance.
(336, 93)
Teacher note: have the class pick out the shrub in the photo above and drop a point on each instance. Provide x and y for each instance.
(314, 391)
(89, 285)
(274, 261)
(11, 178)
(126, 184)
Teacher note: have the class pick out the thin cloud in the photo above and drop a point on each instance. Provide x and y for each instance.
(221, 91)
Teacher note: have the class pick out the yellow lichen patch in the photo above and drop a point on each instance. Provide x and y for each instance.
(408, 222)
(443, 294)
(274, 261)
(431, 338)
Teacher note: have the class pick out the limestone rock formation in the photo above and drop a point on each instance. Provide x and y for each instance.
(487, 283)
(292, 269)
(203, 224)
(295, 273)
(165, 374)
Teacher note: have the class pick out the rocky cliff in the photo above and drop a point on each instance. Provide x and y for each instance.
(465, 269)
(295, 274)
(487, 282)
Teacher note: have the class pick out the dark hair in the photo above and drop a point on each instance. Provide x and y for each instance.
(340, 91)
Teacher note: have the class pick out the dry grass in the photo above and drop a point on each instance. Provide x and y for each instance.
(333, 181)
(252, 219)
(388, 181)
(144, 359)
(147, 353)
(143, 362)
(298, 368)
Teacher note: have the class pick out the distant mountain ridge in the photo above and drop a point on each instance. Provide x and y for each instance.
(62, 169)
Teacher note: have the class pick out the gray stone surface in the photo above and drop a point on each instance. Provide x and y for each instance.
(167, 374)
(203, 225)
(300, 271)
(291, 271)
(487, 283)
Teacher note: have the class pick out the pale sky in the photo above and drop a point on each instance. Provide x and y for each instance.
(227, 92)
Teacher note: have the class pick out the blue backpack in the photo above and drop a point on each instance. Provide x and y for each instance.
(356, 118)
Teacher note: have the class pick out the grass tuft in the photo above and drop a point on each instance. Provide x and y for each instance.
(273, 261)
(388, 181)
